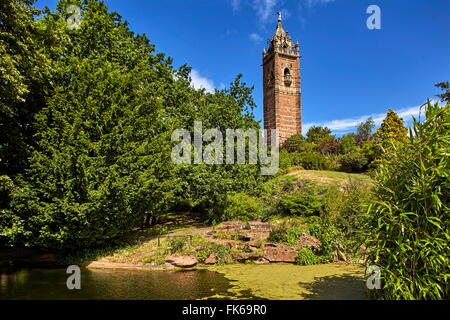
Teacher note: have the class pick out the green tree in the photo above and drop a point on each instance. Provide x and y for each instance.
(392, 131)
(316, 134)
(24, 68)
(348, 143)
(445, 96)
(101, 158)
(364, 131)
(292, 144)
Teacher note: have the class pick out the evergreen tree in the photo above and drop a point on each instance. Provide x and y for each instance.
(392, 130)
(24, 68)
(100, 161)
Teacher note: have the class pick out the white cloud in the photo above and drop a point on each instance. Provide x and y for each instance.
(256, 37)
(342, 126)
(312, 3)
(265, 8)
(199, 82)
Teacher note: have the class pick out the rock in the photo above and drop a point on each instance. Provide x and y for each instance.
(182, 260)
(279, 253)
(308, 241)
(212, 259)
(253, 235)
(243, 256)
(231, 226)
(261, 226)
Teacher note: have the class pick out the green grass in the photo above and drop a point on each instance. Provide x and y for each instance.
(328, 178)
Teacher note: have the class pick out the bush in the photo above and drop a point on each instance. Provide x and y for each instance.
(240, 206)
(177, 244)
(222, 252)
(409, 224)
(301, 205)
(285, 159)
(286, 235)
(353, 162)
(346, 207)
(309, 160)
(306, 257)
(328, 236)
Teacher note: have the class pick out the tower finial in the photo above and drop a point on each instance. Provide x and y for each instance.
(279, 16)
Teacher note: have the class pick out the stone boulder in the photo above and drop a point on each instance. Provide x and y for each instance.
(243, 256)
(212, 259)
(182, 260)
(279, 253)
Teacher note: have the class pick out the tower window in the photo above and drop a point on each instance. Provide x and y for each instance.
(287, 77)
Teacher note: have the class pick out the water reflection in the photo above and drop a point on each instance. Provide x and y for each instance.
(112, 284)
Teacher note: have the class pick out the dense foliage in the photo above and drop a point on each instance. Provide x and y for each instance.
(86, 130)
(410, 219)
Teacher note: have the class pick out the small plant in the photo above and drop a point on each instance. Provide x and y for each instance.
(302, 204)
(203, 253)
(286, 235)
(222, 253)
(147, 259)
(306, 257)
(177, 244)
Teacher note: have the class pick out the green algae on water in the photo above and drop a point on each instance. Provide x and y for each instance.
(291, 282)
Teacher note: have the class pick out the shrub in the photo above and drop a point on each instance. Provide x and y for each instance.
(240, 206)
(328, 236)
(309, 160)
(348, 143)
(222, 252)
(285, 159)
(203, 253)
(177, 244)
(353, 162)
(293, 143)
(286, 235)
(301, 204)
(306, 257)
(346, 207)
(409, 224)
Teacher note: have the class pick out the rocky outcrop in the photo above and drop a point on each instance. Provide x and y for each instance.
(182, 260)
(244, 256)
(279, 253)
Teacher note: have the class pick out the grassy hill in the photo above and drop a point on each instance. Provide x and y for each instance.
(328, 178)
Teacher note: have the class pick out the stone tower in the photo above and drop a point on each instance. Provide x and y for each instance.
(282, 93)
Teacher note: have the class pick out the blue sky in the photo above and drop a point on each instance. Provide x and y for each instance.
(348, 71)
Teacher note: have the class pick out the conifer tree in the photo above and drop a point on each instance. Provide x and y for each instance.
(392, 130)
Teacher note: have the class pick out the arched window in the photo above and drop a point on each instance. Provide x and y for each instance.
(287, 77)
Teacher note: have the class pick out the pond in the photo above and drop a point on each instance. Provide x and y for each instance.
(274, 281)
(96, 284)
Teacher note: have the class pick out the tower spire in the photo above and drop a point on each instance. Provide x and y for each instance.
(279, 16)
